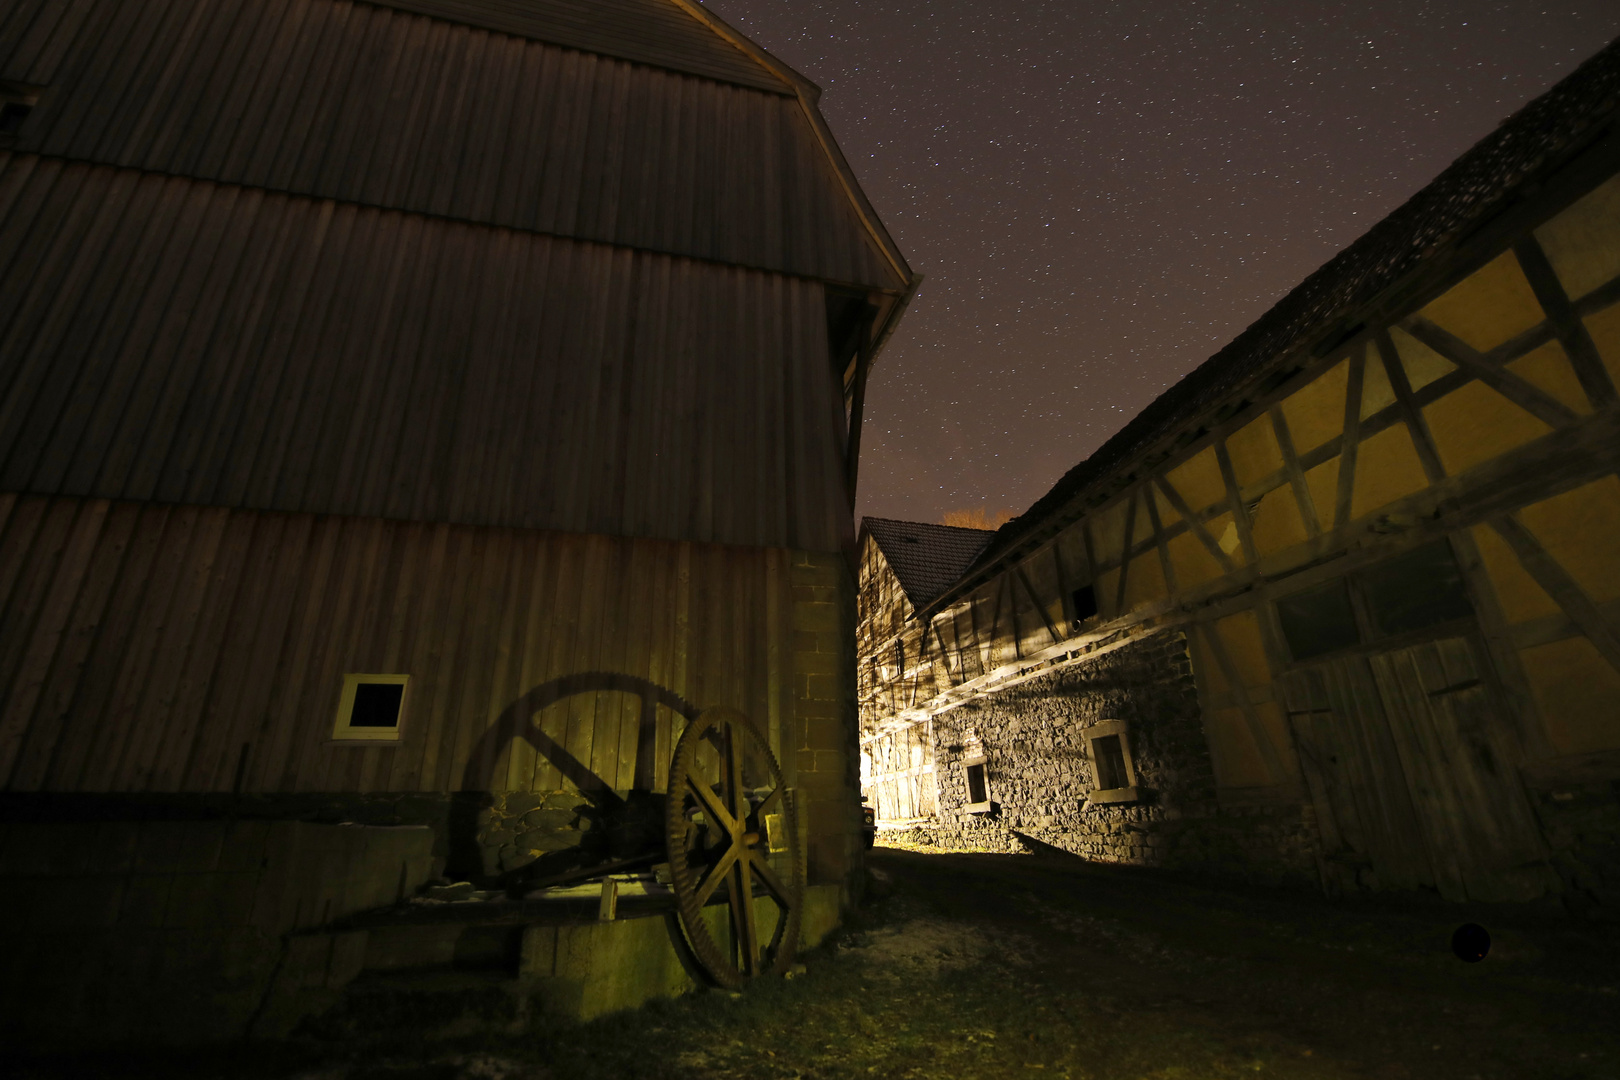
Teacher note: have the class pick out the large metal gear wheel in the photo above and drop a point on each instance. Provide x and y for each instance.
(731, 825)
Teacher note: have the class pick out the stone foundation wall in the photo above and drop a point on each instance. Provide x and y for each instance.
(1580, 816)
(1039, 774)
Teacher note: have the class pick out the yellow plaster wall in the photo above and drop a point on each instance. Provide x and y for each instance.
(1376, 392)
(1108, 531)
(1549, 369)
(1107, 591)
(1191, 561)
(1167, 513)
(1422, 364)
(1205, 669)
(1387, 468)
(1237, 758)
(1578, 694)
(1315, 412)
(1475, 423)
(1605, 330)
(1145, 582)
(1521, 598)
(1240, 634)
(1583, 242)
(1488, 307)
(1254, 451)
(1581, 529)
(1142, 529)
(1225, 532)
(1198, 480)
(1323, 484)
(1276, 522)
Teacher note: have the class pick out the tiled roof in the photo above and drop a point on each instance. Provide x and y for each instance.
(1472, 189)
(926, 558)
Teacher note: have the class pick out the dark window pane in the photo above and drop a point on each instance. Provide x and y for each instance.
(975, 781)
(12, 115)
(1318, 620)
(1418, 589)
(1085, 602)
(377, 705)
(1110, 760)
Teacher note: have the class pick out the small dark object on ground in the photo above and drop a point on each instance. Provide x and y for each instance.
(869, 824)
(1471, 942)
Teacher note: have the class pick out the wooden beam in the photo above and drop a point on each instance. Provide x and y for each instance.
(1533, 399)
(1560, 586)
(1251, 716)
(1296, 475)
(1125, 554)
(1158, 540)
(1197, 527)
(1349, 440)
(1029, 590)
(852, 450)
(1566, 323)
(1415, 424)
(1240, 509)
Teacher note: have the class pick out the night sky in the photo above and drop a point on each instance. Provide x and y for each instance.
(1101, 195)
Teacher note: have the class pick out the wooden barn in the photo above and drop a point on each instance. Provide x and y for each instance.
(412, 413)
(1342, 606)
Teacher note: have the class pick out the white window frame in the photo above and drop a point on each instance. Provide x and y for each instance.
(343, 732)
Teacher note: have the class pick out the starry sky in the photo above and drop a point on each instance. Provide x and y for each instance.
(1102, 194)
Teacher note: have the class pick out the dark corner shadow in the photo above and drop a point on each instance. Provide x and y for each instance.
(517, 721)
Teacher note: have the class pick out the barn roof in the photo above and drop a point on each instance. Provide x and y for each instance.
(1323, 309)
(658, 32)
(681, 36)
(926, 558)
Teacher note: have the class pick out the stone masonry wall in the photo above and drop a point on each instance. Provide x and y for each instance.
(1039, 774)
(827, 765)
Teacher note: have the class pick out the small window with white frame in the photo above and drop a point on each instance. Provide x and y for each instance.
(371, 708)
(976, 775)
(1109, 748)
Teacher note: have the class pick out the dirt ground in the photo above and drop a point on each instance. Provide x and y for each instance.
(970, 966)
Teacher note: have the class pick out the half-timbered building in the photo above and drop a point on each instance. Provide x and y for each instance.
(903, 566)
(411, 412)
(1343, 605)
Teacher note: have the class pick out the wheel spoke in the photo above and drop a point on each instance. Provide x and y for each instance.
(742, 913)
(717, 809)
(716, 874)
(769, 878)
(769, 804)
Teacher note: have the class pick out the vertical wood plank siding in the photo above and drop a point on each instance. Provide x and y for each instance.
(143, 647)
(196, 343)
(381, 107)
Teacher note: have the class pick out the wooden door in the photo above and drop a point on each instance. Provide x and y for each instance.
(1413, 770)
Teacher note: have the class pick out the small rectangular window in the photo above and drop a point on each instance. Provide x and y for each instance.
(1420, 588)
(976, 773)
(371, 708)
(1318, 620)
(1110, 760)
(1109, 749)
(1085, 603)
(975, 782)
